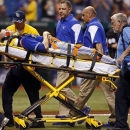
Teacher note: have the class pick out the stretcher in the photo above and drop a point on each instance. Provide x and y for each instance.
(59, 57)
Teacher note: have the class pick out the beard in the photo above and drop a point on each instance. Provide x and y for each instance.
(116, 29)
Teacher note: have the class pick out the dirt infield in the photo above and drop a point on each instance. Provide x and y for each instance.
(91, 112)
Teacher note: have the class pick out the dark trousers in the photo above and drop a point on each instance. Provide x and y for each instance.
(14, 78)
(122, 102)
(1, 117)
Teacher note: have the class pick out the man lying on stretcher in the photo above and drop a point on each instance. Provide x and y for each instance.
(30, 42)
(41, 44)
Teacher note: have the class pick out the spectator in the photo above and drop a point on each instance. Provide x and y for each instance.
(21, 5)
(127, 2)
(78, 14)
(120, 3)
(78, 5)
(3, 16)
(115, 9)
(31, 10)
(10, 8)
(48, 10)
(103, 8)
(123, 8)
(57, 16)
(39, 12)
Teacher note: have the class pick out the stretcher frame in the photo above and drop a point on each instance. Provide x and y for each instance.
(24, 122)
(22, 119)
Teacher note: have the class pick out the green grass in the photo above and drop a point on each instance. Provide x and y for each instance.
(21, 102)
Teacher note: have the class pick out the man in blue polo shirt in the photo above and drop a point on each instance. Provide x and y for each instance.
(68, 30)
(94, 37)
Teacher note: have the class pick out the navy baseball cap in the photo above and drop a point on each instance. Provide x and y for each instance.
(19, 16)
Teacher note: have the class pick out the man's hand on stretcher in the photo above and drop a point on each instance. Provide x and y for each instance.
(47, 38)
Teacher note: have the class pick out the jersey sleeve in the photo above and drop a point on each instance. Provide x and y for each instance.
(95, 34)
(76, 33)
(33, 44)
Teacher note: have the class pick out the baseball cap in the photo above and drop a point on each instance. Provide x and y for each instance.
(19, 16)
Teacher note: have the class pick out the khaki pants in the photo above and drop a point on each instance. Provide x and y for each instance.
(86, 89)
(67, 92)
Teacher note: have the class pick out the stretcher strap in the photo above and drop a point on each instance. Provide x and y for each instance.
(75, 51)
(7, 45)
(53, 43)
(27, 56)
(9, 41)
(76, 47)
(4, 38)
(68, 56)
(96, 57)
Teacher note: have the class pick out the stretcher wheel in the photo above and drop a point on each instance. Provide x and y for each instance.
(88, 126)
(95, 128)
(16, 125)
(24, 128)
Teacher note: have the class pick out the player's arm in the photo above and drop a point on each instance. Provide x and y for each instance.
(46, 39)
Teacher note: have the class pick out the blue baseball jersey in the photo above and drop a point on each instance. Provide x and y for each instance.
(69, 30)
(33, 43)
(94, 34)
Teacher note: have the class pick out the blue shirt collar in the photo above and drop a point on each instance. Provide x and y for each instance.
(67, 18)
(94, 19)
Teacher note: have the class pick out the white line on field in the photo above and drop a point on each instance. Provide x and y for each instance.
(89, 115)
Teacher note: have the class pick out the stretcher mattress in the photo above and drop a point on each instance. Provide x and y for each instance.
(83, 52)
(46, 60)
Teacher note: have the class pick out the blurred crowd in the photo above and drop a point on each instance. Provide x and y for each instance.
(47, 10)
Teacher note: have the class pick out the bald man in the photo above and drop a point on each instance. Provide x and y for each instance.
(94, 37)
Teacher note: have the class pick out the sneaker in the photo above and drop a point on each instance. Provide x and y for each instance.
(10, 123)
(39, 124)
(112, 119)
(63, 123)
(3, 123)
(113, 128)
(86, 112)
(107, 125)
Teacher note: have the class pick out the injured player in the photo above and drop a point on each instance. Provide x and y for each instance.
(30, 42)
(41, 44)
